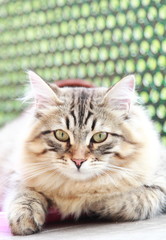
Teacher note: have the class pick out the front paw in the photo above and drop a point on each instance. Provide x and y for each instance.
(25, 219)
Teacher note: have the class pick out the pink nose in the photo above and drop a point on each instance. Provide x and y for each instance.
(78, 162)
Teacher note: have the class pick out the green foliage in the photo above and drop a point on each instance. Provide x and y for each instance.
(100, 41)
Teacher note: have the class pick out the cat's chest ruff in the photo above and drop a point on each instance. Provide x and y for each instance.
(61, 187)
(77, 198)
(86, 189)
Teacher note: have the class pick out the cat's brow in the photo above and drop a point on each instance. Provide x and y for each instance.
(116, 135)
(67, 123)
(88, 116)
(74, 117)
(93, 124)
(91, 105)
(122, 137)
(46, 132)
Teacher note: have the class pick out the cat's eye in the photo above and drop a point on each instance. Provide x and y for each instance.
(99, 137)
(61, 135)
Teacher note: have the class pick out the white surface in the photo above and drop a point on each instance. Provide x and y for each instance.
(153, 229)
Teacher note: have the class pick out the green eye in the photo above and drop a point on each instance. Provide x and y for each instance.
(99, 137)
(61, 135)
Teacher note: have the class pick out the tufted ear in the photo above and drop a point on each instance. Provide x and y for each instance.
(121, 95)
(43, 94)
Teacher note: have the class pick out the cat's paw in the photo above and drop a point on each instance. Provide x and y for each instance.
(25, 219)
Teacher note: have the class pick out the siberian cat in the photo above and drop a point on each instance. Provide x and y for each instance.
(81, 150)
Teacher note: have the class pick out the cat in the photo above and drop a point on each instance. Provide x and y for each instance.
(90, 151)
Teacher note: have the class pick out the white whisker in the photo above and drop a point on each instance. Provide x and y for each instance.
(110, 178)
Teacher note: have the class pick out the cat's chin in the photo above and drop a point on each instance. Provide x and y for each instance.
(79, 176)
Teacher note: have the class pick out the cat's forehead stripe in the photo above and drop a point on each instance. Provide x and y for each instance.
(74, 117)
(67, 123)
(93, 124)
(82, 104)
(88, 116)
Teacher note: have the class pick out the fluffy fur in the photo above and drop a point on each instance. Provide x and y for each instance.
(121, 178)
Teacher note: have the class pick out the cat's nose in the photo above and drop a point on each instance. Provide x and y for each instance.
(78, 162)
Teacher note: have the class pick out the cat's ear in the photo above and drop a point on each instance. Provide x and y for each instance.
(42, 92)
(122, 94)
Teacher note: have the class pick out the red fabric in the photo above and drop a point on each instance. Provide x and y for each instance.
(74, 83)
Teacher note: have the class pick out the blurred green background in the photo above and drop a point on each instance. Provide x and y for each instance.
(100, 41)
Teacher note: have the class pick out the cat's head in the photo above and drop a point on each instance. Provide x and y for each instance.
(83, 133)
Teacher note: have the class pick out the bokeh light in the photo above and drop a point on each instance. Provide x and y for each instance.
(100, 41)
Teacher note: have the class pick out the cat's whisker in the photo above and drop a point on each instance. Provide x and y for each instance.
(33, 172)
(50, 177)
(43, 163)
(127, 170)
(120, 168)
(102, 172)
(110, 178)
(33, 175)
(33, 169)
(126, 174)
(35, 165)
(123, 176)
(121, 171)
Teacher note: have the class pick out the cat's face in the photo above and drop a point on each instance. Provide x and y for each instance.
(81, 137)
(82, 133)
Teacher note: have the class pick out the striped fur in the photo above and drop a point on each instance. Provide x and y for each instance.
(123, 177)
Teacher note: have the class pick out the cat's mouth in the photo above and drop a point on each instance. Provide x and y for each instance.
(80, 170)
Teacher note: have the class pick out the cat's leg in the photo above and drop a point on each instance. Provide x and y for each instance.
(26, 211)
(141, 203)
